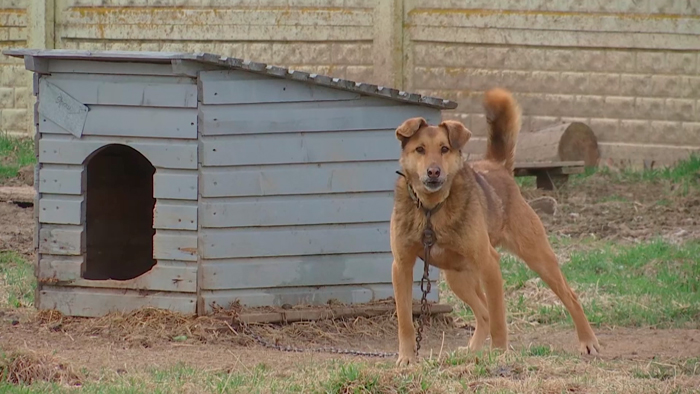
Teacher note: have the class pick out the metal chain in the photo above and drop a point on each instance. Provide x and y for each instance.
(428, 242)
(328, 349)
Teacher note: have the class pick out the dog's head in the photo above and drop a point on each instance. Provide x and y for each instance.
(431, 155)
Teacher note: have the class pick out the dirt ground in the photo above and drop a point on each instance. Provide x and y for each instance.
(621, 213)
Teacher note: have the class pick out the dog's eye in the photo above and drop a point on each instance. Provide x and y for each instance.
(445, 149)
(420, 150)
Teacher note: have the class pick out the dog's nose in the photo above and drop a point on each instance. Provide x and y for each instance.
(433, 172)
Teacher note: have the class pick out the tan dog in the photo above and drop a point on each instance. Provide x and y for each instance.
(475, 208)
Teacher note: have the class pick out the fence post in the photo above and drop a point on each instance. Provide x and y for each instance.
(40, 35)
(388, 43)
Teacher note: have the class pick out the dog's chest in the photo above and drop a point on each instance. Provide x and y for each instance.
(441, 257)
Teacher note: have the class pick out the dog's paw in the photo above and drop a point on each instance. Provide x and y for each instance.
(405, 360)
(589, 347)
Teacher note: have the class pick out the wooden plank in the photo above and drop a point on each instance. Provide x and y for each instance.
(164, 276)
(301, 271)
(62, 180)
(17, 194)
(548, 164)
(133, 122)
(343, 312)
(365, 114)
(60, 108)
(175, 185)
(58, 269)
(240, 87)
(98, 302)
(68, 241)
(337, 146)
(297, 210)
(175, 245)
(109, 67)
(130, 90)
(295, 241)
(299, 179)
(304, 296)
(162, 154)
(175, 216)
(57, 209)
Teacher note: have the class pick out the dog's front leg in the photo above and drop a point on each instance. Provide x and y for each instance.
(402, 280)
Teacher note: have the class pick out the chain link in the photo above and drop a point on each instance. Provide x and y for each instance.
(328, 349)
(428, 241)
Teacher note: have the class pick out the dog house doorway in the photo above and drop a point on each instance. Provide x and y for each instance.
(119, 214)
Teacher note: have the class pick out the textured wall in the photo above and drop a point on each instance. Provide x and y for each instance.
(14, 79)
(629, 68)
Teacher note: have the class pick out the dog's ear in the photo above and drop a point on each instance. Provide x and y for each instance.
(456, 133)
(408, 128)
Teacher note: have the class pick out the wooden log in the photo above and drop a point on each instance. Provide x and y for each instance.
(314, 314)
(21, 194)
(573, 141)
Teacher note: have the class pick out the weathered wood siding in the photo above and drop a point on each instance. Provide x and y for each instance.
(296, 191)
(157, 116)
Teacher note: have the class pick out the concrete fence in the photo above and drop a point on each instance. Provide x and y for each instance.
(629, 68)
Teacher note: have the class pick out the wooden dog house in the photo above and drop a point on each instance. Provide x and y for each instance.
(184, 181)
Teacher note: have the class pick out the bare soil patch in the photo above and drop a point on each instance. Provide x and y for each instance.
(17, 229)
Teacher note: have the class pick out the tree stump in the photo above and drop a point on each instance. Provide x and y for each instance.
(573, 141)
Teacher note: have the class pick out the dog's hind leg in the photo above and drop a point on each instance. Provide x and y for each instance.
(526, 238)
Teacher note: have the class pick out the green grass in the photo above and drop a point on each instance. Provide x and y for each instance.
(17, 283)
(15, 153)
(649, 284)
(533, 370)
(685, 174)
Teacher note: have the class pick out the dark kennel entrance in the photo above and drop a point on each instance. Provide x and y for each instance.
(119, 214)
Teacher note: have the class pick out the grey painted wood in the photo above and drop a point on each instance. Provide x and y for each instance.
(61, 268)
(181, 64)
(336, 146)
(131, 90)
(63, 110)
(38, 65)
(365, 114)
(61, 180)
(60, 209)
(191, 68)
(175, 245)
(181, 278)
(99, 302)
(294, 241)
(69, 241)
(300, 271)
(297, 210)
(175, 185)
(241, 87)
(121, 121)
(161, 153)
(305, 296)
(173, 215)
(299, 179)
(107, 67)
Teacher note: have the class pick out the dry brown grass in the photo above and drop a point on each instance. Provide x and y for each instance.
(29, 367)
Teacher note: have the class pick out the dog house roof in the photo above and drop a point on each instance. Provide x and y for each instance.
(237, 64)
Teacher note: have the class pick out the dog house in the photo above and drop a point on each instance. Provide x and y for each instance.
(186, 181)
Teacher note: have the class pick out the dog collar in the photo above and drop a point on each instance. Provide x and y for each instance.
(419, 203)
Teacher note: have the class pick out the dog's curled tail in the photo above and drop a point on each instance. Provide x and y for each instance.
(503, 118)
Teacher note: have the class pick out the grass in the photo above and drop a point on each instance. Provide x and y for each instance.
(17, 283)
(685, 174)
(530, 371)
(649, 284)
(15, 153)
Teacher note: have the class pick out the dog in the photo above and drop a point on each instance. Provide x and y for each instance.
(474, 208)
